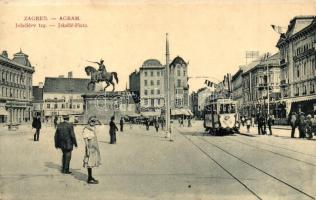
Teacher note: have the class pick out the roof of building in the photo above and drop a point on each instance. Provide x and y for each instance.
(297, 25)
(178, 60)
(37, 93)
(272, 60)
(66, 85)
(152, 63)
(20, 59)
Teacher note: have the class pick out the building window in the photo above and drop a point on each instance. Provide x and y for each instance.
(151, 73)
(151, 82)
(145, 92)
(158, 101)
(158, 91)
(178, 83)
(145, 82)
(297, 92)
(304, 89)
(158, 82)
(63, 106)
(145, 73)
(48, 106)
(152, 92)
(55, 106)
(152, 102)
(158, 73)
(78, 106)
(298, 71)
(312, 88)
(145, 102)
(184, 72)
(178, 72)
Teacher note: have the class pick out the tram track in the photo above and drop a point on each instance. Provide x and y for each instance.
(280, 147)
(245, 162)
(222, 167)
(273, 152)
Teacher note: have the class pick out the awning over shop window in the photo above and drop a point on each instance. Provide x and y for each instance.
(183, 111)
(3, 111)
(151, 114)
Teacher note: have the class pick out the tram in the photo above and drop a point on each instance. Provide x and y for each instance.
(220, 117)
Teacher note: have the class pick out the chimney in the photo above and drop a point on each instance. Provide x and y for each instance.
(5, 54)
(70, 74)
(40, 85)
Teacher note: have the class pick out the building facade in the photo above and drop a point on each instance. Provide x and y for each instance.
(62, 96)
(259, 78)
(298, 65)
(237, 90)
(37, 100)
(148, 82)
(179, 88)
(16, 88)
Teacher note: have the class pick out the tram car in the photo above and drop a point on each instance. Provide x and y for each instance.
(220, 117)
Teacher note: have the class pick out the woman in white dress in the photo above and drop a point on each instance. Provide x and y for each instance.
(92, 156)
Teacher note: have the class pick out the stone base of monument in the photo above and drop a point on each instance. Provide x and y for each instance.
(104, 105)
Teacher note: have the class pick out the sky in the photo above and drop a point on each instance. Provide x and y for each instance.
(211, 35)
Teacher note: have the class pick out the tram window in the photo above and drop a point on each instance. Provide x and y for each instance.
(221, 109)
(229, 108)
(233, 109)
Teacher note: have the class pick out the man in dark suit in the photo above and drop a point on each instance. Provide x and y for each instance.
(37, 124)
(65, 139)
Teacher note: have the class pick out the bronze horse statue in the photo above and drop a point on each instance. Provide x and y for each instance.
(101, 76)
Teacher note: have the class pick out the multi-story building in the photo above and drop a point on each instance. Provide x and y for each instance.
(149, 83)
(179, 88)
(237, 90)
(194, 103)
(37, 100)
(62, 96)
(298, 65)
(203, 96)
(16, 88)
(257, 77)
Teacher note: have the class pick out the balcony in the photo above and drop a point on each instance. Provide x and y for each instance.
(283, 83)
(283, 63)
(304, 53)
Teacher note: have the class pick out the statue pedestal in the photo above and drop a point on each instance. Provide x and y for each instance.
(104, 105)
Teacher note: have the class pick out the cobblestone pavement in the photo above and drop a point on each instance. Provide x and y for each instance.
(146, 165)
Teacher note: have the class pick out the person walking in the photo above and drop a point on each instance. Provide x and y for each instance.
(156, 123)
(293, 123)
(55, 122)
(147, 124)
(121, 124)
(113, 129)
(189, 122)
(301, 125)
(248, 124)
(270, 123)
(252, 121)
(92, 156)
(260, 123)
(65, 139)
(37, 124)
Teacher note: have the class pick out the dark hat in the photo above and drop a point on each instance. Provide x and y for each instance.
(66, 117)
(92, 119)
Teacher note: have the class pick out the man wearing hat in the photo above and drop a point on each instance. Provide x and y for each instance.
(65, 139)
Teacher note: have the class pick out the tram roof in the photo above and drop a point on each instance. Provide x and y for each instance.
(223, 101)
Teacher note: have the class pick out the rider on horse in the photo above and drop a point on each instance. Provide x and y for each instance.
(101, 69)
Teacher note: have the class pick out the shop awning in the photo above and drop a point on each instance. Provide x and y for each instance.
(3, 111)
(182, 111)
(151, 114)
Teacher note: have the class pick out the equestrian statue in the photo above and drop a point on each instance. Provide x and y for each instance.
(101, 75)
